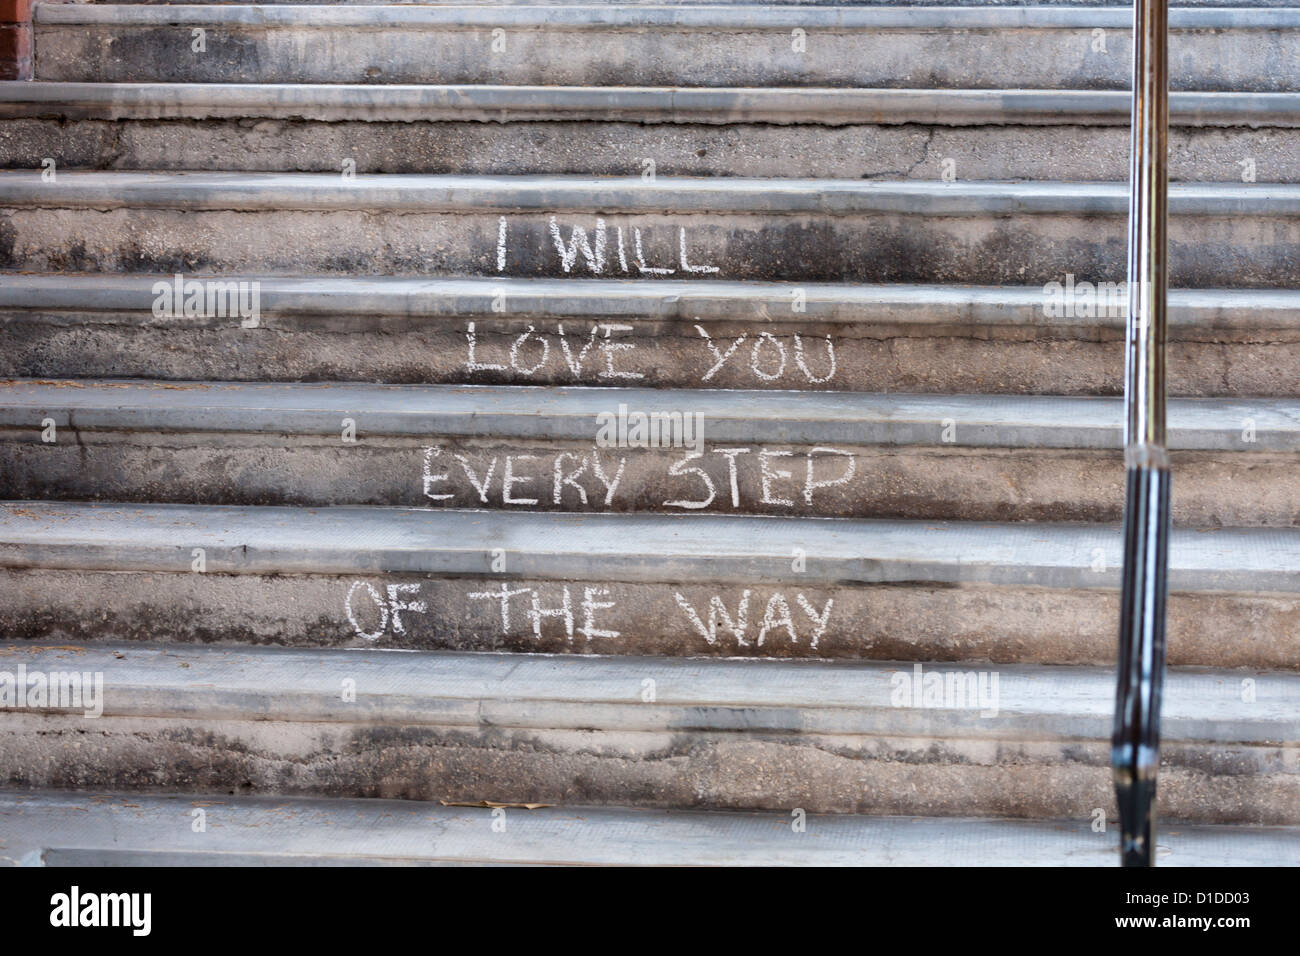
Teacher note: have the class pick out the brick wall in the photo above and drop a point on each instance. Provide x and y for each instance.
(15, 39)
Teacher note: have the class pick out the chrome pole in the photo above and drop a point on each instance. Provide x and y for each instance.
(1135, 747)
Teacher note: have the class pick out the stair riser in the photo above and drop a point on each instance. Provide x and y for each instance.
(819, 774)
(654, 55)
(874, 356)
(909, 151)
(1205, 251)
(878, 622)
(1213, 489)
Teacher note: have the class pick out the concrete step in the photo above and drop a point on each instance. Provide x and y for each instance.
(980, 458)
(616, 45)
(955, 339)
(1079, 135)
(1240, 235)
(766, 735)
(716, 585)
(776, 3)
(61, 828)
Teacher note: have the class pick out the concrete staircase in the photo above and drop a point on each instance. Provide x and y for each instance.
(337, 523)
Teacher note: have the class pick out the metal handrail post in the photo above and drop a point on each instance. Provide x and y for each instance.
(1135, 750)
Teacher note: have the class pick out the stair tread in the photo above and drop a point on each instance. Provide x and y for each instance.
(65, 828)
(576, 692)
(652, 298)
(629, 547)
(569, 412)
(555, 193)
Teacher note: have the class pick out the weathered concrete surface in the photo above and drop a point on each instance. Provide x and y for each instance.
(111, 829)
(782, 3)
(844, 455)
(419, 733)
(1226, 489)
(583, 585)
(631, 195)
(612, 45)
(613, 149)
(1241, 344)
(735, 734)
(736, 549)
(879, 622)
(498, 104)
(576, 414)
(883, 358)
(1205, 785)
(851, 134)
(1221, 235)
(72, 578)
